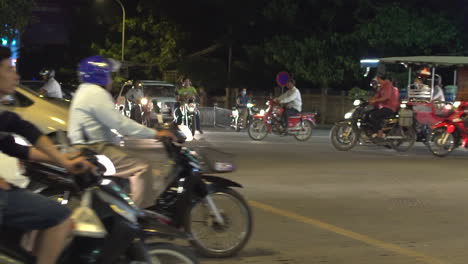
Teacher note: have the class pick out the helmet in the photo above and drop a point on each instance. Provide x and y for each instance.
(95, 69)
(47, 73)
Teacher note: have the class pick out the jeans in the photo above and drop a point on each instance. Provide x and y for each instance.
(286, 114)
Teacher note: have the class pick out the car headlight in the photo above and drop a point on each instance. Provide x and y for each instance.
(144, 101)
(249, 105)
(357, 102)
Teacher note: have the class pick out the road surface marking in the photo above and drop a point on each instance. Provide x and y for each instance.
(348, 233)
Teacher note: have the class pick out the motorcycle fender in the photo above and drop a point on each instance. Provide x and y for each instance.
(450, 127)
(312, 121)
(222, 182)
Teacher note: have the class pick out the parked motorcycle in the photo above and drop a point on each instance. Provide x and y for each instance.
(108, 226)
(299, 126)
(237, 120)
(399, 130)
(217, 218)
(450, 133)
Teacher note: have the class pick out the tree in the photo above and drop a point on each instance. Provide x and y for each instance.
(150, 45)
(14, 15)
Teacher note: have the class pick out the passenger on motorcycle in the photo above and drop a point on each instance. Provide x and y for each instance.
(51, 87)
(134, 95)
(93, 116)
(20, 209)
(386, 101)
(293, 100)
(241, 103)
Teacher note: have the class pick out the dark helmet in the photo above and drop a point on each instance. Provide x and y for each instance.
(47, 73)
(97, 70)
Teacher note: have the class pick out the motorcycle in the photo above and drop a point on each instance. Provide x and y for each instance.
(426, 115)
(451, 133)
(197, 202)
(399, 131)
(237, 120)
(269, 121)
(190, 112)
(108, 227)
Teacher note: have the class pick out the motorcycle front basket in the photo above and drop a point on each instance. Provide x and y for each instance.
(216, 161)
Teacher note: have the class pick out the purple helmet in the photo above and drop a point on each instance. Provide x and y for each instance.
(95, 69)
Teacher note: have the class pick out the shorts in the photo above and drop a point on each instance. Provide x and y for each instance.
(24, 210)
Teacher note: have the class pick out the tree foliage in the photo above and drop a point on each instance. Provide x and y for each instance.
(14, 15)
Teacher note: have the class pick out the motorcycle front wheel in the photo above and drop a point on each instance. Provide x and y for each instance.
(258, 130)
(436, 145)
(343, 137)
(165, 253)
(405, 144)
(219, 240)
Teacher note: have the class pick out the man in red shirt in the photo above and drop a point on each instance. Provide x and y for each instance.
(387, 102)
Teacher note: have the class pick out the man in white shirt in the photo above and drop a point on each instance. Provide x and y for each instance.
(292, 99)
(93, 116)
(51, 88)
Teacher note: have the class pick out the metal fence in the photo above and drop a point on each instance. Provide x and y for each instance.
(215, 116)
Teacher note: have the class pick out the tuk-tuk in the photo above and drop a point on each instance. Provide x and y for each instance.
(420, 98)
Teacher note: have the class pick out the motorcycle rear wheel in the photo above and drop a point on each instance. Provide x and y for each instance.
(338, 141)
(258, 130)
(436, 147)
(399, 144)
(212, 239)
(304, 135)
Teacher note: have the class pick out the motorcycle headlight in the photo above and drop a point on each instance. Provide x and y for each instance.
(249, 105)
(457, 104)
(262, 112)
(357, 102)
(144, 101)
(348, 115)
(191, 109)
(403, 106)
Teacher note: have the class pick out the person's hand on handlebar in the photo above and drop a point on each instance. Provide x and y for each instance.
(166, 133)
(78, 165)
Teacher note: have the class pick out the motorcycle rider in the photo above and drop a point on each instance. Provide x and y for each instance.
(241, 103)
(51, 88)
(93, 116)
(386, 102)
(21, 209)
(293, 100)
(134, 95)
(188, 95)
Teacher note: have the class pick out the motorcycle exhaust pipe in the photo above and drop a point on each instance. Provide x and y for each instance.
(394, 137)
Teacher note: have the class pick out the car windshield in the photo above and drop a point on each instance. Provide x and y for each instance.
(159, 91)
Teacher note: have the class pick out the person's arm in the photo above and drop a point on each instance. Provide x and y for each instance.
(386, 94)
(289, 97)
(107, 115)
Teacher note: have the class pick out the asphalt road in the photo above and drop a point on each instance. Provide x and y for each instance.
(313, 204)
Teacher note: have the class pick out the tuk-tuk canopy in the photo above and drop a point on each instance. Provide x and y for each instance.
(428, 60)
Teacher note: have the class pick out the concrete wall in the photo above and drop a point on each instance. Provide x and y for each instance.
(331, 108)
